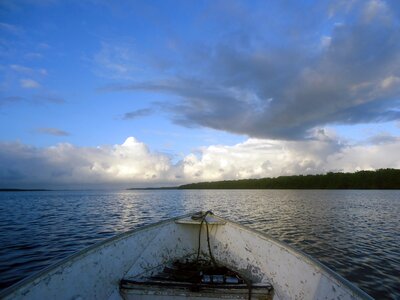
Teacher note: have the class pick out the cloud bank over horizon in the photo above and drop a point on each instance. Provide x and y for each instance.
(132, 164)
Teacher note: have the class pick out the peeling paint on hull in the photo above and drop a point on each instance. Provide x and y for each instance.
(95, 273)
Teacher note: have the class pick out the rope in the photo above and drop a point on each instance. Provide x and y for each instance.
(202, 216)
(250, 287)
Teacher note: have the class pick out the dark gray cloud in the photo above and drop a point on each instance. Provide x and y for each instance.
(137, 114)
(52, 131)
(342, 71)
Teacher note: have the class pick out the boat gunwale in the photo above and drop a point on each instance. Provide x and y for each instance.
(81, 253)
(307, 258)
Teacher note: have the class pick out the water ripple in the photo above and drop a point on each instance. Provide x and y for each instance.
(356, 233)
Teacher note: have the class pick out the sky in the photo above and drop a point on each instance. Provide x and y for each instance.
(118, 94)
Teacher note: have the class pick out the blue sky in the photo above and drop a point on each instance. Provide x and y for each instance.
(192, 91)
(69, 53)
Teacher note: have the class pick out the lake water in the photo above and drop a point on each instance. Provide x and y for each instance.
(356, 233)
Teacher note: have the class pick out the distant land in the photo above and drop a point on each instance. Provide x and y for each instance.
(379, 179)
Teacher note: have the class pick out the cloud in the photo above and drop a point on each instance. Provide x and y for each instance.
(382, 138)
(133, 164)
(26, 70)
(21, 69)
(283, 83)
(33, 55)
(13, 29)
(116, 61)
(29, 84)
(269, 158)
(49, 98)
(52, 131)
(257, 158)
(65, 165)
(390, 82)
(44, 46)
(376, 9)
(369, 157)
(137, 114)
(34, 99)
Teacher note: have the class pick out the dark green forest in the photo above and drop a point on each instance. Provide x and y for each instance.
(379, 179)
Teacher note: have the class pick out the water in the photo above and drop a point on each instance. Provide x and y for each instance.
(355, 233)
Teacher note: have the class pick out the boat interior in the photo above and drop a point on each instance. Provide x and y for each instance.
(195, 277)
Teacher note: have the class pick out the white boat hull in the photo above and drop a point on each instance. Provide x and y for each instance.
(96, 272)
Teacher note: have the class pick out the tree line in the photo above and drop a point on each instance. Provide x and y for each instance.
(379, 179)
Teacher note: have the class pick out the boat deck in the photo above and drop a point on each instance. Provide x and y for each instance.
(198, 279)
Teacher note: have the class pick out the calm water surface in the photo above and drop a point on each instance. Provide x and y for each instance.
(355, 233)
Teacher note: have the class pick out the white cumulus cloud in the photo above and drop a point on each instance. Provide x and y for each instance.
(132, 164)
(29, 84)
(68, 165)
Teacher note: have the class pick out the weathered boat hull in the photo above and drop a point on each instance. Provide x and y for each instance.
(96, 272)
